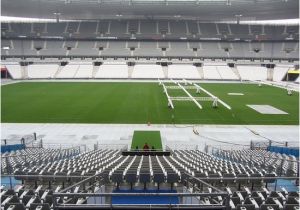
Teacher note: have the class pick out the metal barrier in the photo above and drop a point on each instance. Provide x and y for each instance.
(110, 205)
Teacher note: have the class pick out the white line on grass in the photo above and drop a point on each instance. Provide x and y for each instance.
(210, 94)
(166, 92)
(285, 87)
(191, 97)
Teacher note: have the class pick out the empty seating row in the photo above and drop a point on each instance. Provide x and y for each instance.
(270, 161)
(33, 156)
(22, 198)
(148, 29)
(84, 164)
(255, 50)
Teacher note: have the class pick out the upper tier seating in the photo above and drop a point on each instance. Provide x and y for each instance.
(276, 50)
(149, 29)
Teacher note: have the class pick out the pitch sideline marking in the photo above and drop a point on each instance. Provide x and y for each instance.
(191, 97)
(208, 93)
(166, 92)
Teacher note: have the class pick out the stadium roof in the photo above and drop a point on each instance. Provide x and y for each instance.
(206, 10)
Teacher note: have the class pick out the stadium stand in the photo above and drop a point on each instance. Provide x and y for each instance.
(176, 40)
(226, 73)
(43, 71)
(280, 72)
(15, 71)
(148, 28)
(252, 72)
(211, 72)
(147, 71)
(84, 71)
(67, 71)
(205, 49)
(241, 174)
(183, 71)
(112, 71)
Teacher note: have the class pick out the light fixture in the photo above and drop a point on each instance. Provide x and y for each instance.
(57, 15)
(238, 18)
(5, 47)
(119, 15)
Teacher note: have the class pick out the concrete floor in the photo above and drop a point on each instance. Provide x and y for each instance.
(175, 136)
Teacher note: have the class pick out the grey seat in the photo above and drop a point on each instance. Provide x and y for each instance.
(292, 200)
(159, 177)
(117, 177)
(249, 200)
(131, 177)
(236, 200)
(291, 207)
(270, 180)
(272, 200)
(245, 207)
(14, 206)
(244, 180)
(39, 206)
(228, 181)
(172, 177)
(19, 172)
(269, 207)
(255, 181)
(144, 177)
(258, 200)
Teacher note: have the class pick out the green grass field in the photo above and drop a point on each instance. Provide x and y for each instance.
(75, 102)
(152, 138)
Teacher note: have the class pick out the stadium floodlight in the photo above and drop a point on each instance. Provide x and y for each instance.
(238, 18)
(57, 15)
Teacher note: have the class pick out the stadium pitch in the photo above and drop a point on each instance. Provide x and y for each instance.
(152, 138)
(142, 103)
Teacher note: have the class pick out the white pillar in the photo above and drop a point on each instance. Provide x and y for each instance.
(270, 73)
(165, 71)
(130, 71)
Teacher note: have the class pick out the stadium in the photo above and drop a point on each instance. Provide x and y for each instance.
(159, 104)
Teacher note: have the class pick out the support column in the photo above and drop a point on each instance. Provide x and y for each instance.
(95, 70)
(24, 72)
(199, 67)
(270, 71)
(165, 71)
(130, 69)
